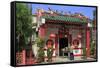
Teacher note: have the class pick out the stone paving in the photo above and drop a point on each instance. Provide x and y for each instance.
(66, 59)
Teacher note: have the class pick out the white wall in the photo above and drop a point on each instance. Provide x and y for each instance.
(5, 34)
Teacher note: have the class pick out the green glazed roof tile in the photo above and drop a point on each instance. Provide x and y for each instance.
(63, 18)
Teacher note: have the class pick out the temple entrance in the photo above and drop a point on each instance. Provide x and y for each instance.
(63, 43)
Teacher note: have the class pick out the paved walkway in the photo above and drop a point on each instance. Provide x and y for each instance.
(63, 59)
(66, 59)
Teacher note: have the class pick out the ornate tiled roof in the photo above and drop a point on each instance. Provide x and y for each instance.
(65, 18)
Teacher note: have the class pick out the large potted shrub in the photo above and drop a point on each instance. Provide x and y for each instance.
(40, 44)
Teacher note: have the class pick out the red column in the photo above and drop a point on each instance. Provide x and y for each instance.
(56, 42)
(88, 43)
(24, 57)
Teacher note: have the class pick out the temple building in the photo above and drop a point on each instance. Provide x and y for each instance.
(68, 33)
(64, 30)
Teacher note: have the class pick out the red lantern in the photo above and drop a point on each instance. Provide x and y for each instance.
(79, 36)
(52, 35)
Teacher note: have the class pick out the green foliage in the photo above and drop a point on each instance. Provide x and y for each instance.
(41, 54)
(49, 53)
(21, 43)
(23, 24)
(40, 42)
(23, 18)
(92, 48)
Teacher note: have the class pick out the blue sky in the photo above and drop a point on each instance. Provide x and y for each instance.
(87, 11)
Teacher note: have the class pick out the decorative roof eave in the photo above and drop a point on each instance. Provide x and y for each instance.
(64, 22)
(66, 19)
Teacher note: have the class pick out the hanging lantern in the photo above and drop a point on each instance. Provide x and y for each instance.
(79, 36)
(52, 35)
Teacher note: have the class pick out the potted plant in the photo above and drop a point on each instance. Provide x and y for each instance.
(40, 44)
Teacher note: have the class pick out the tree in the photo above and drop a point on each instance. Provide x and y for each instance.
(23, 25)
